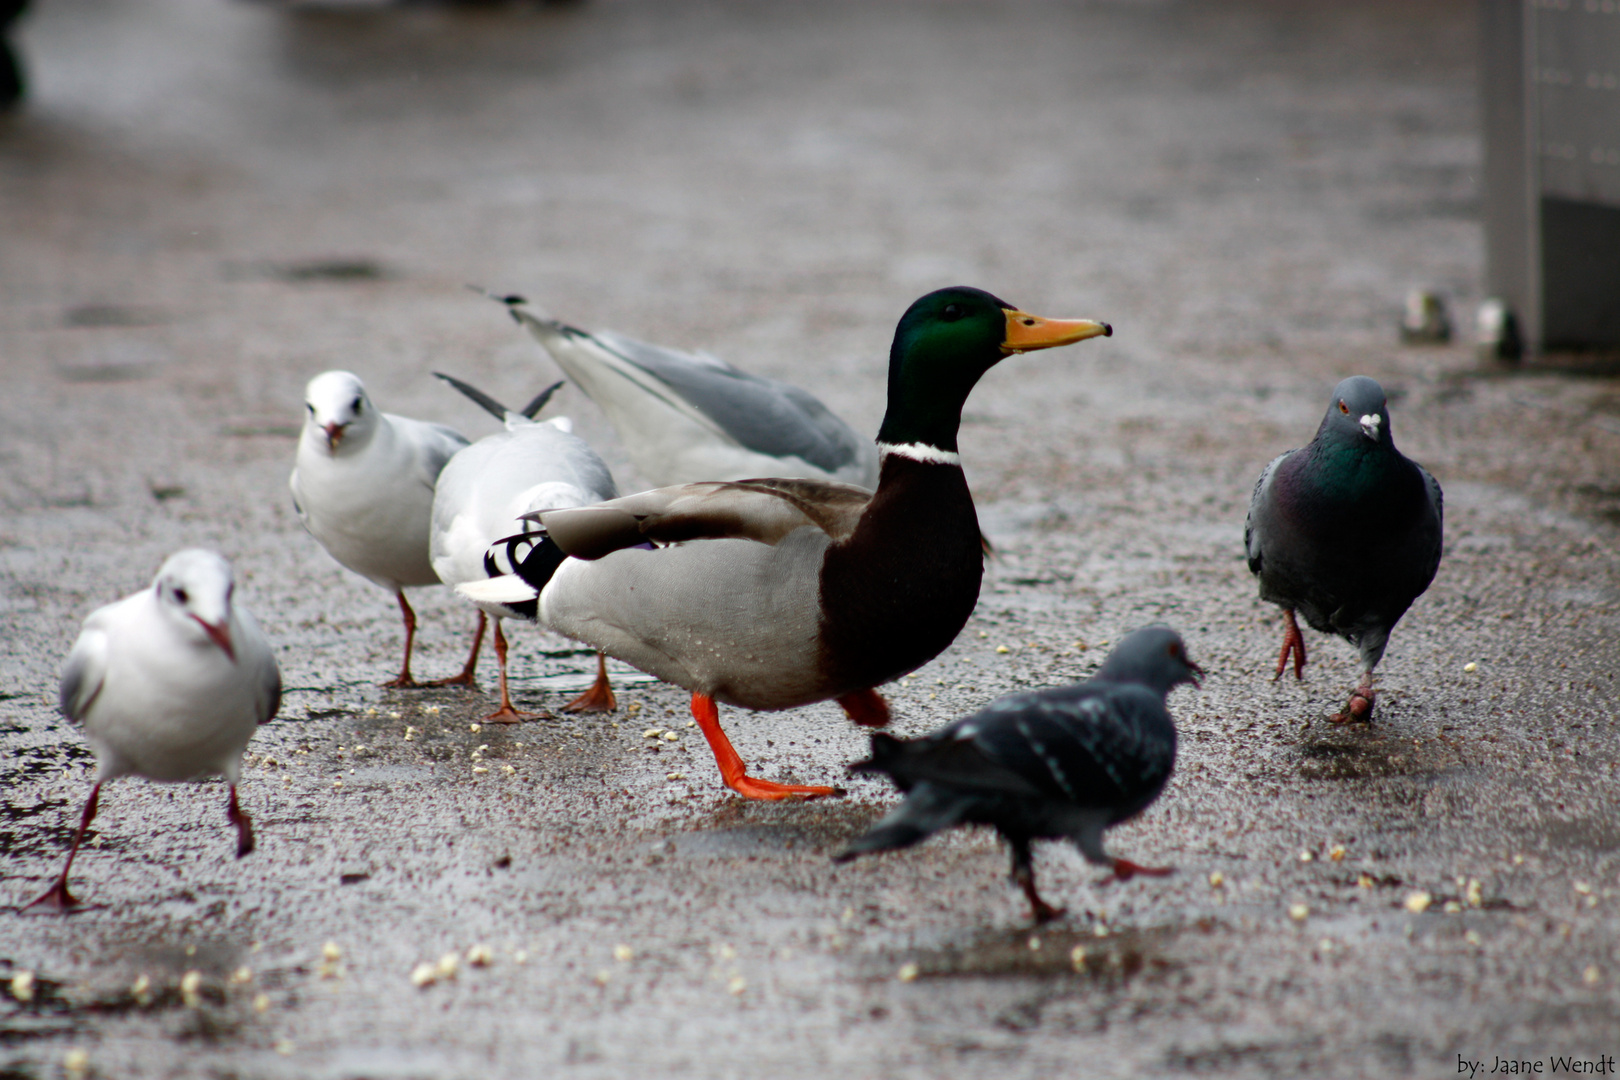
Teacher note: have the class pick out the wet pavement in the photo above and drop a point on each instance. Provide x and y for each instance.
(208, 202)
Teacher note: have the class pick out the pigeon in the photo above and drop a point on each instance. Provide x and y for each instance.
(363, 487)
(481, 497)
(1346, 531)
(779, 592)
(686, 417)
(170, 683)
(1066, 762)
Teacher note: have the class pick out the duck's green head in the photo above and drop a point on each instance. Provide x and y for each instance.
(945, 342)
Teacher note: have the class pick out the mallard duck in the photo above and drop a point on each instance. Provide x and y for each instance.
(481, 496)
(686, 417)
(362, 484)
(775, 593)
(1063, 763)
(1347, 531)
(170, 683)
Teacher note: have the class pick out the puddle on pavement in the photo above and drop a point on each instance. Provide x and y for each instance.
(1360, 752)
(1044, 953)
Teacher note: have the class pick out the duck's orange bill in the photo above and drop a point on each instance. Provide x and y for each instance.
(1026, 332)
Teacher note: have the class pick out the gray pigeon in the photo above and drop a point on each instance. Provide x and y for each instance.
(1346, 531)
(1067, 762)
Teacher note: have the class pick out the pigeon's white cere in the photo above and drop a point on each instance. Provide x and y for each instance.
(1371, 424)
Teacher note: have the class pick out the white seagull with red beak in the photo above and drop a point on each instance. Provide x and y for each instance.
(363, 486)
(170, 683)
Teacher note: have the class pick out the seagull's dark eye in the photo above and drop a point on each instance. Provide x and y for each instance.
(310, 406)
(358, 403)
(181, 597)
(952, 311)
(1343, 407)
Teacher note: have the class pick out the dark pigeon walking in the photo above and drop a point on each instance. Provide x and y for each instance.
(1067, 762)
(1346, 531)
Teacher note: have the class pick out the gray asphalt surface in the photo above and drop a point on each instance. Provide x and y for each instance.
(207, 202)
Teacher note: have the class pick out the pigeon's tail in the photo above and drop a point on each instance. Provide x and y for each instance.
(928, 809)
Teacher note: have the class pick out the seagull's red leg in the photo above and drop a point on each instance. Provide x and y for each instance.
(506, 714)
(1124, 870)
(404, 680)
(1293, 642)
(732, 769)
(471, 666)
(244, 827)
(1360, 706)
(57, 896)
(866, 707)
(599, 698)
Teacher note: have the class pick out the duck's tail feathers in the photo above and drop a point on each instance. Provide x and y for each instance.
(507, 591)
(928, 809)
(531, 557)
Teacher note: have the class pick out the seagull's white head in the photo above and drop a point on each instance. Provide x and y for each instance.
(337, 412)
(194, 587)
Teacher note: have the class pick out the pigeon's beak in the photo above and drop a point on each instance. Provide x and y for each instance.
(1197, 676)
(1371, 425)
(1026, 332)
(220, 634)
(334, 435)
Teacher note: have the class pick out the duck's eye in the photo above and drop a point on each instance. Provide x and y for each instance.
(1344, 408)
(952, 311)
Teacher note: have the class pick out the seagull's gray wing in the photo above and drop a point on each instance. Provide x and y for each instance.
(84, 672)
(763, 414)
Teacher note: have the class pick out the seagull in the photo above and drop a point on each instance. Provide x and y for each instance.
(482, 495)
(1063, 763)
(686, 417)
(363, 486)
(775, 593)
(170, 683)
(1345, 530)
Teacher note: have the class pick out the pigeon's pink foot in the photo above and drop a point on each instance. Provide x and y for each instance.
(1124, 870)
(1293, 642)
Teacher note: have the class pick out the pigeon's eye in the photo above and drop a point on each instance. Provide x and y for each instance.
(952, 311)
(1343, 407)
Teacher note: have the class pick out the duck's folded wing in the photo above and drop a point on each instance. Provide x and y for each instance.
(765, 511)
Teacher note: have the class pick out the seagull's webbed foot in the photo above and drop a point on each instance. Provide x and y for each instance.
(1124, 870)
(732, 770)
(599, 698)
(471, 666)
(56, 898)
(1293, 642)
(508, 713)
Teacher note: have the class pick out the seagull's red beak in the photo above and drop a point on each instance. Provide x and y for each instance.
(334, 435)
(220, 634)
